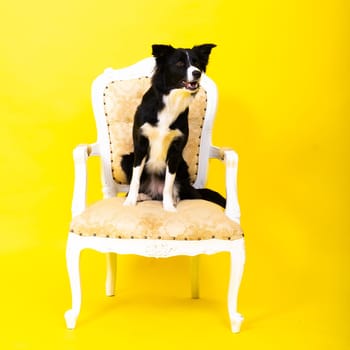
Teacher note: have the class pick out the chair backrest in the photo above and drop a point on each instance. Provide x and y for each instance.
(116, 93)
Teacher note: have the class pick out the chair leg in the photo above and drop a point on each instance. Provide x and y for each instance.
(73, 258)
(111, 274)
(237, 267)
(195, 276)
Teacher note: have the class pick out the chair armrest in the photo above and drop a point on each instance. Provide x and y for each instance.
(230, 158)
(80, 156)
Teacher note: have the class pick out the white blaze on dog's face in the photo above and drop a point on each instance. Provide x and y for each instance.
(193, 75)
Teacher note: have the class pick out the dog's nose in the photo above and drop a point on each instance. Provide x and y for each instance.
(196, 74)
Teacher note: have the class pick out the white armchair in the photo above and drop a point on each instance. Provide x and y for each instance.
(146, 229)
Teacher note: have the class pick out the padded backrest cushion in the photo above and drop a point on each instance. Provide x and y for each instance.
(121, 99)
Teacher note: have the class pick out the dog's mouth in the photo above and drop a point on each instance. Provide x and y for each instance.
(190, 85)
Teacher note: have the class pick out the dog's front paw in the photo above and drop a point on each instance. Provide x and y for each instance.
(169, 206)
(129, 201)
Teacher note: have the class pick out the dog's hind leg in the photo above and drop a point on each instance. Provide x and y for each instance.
(126, 164)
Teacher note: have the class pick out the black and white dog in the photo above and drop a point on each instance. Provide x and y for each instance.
(156, 169)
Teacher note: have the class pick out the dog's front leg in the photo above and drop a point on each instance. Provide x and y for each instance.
(173, 160)
(131, 198)
(168, 200)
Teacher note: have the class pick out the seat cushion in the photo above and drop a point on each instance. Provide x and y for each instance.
(193, 220)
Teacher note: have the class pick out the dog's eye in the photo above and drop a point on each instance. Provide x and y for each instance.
(180, 64)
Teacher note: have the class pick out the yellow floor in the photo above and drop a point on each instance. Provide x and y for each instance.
(152, 309)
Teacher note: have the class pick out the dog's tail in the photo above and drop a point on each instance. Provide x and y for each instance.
(212, 196)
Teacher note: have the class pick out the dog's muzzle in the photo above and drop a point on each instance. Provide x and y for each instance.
(191, 85)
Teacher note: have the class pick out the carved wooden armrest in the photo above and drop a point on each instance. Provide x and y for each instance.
(80, 156)
(230, 158)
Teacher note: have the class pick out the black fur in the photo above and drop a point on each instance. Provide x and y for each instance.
(171, 73)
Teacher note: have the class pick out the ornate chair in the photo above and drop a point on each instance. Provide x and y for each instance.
(197, 227)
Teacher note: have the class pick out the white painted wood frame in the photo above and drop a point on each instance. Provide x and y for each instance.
(143, 247)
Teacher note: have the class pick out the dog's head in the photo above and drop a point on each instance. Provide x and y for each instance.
(180, 68)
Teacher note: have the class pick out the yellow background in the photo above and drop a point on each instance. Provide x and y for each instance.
(282, 72)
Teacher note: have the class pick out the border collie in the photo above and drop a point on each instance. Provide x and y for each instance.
(156, 169)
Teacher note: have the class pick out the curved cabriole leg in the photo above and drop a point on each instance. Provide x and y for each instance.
(237, 266)
(195, 276)
(73, 257)
(111, 274)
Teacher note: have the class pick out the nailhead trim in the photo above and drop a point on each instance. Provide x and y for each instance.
(229, 238)
(201, 127)
(108, 126)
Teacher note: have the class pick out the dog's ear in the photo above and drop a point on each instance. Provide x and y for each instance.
(160, 51)
(203, 52)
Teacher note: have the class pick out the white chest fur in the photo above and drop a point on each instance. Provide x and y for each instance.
(160, 136)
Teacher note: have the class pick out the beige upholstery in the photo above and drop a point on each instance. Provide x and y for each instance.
(194, 220)
(121, 99)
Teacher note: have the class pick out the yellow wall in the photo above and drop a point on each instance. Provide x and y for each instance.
(282, 72)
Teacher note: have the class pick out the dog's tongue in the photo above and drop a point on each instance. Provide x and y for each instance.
(190, 85)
